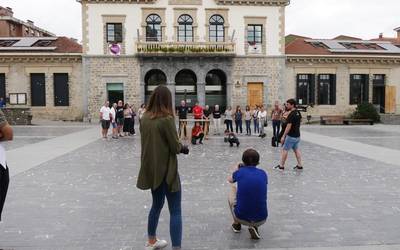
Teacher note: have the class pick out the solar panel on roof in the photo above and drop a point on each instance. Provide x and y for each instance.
(26, 42)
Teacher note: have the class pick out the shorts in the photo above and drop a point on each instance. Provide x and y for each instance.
(291, 143)
(114, 124)
(120, 121)
(105, 124)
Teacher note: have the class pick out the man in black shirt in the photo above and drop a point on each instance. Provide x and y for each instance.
(206, 117)
(182, 113)
(291, 136)
(217, 119)
(120, 117)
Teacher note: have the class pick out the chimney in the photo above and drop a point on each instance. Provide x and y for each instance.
(30, 22)
(380, 35)
(398, 33)
(6, 11)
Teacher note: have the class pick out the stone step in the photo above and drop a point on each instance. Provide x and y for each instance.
(393, 119)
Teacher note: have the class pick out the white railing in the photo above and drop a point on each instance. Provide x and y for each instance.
(185, 47)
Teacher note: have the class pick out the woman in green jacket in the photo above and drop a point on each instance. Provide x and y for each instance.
(159, 166)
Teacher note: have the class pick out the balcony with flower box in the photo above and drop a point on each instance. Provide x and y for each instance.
(179, 49)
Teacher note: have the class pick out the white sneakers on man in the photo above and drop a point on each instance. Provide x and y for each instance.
(159, 244)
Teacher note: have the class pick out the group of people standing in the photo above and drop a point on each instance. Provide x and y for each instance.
(256, 117)
(121, 118)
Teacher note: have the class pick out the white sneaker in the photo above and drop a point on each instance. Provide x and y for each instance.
(158, 245)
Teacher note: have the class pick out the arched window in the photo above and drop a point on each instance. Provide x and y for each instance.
(185, 28)
(153, 28)
(152, 79)
(217, 29)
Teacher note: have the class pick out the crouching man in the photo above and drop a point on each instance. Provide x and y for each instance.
(248, 200)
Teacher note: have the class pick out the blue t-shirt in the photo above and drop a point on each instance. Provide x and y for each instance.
(251, 194)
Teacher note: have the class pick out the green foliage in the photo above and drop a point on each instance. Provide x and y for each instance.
(366, 111)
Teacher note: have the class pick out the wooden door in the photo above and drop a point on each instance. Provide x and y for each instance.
(390, 99)
(255, 94)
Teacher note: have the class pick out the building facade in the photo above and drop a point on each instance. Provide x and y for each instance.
(43, 74)
(334, 75)
(14, 27)
(211, 51)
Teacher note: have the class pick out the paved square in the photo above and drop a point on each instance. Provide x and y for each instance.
(80, 193)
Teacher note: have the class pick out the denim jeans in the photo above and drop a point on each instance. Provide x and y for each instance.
(239, 127)
(174, 205)
(256, 126)
(248, 129)
(276, 126)
(229, 125)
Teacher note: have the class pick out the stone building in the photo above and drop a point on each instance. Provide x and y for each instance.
(43, 74)
(210, 51)
(337, 74)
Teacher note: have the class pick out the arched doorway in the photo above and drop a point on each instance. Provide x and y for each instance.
(186, 87)
(152, 79)
(216, 88)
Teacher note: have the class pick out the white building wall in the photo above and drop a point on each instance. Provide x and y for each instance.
(133, 23)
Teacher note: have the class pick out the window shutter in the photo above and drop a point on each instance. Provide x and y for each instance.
(3, 86)
(118, 32)
(312, 89)
(366, 89)
(333, 90)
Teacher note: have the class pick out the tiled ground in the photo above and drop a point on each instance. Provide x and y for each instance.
(87, 199)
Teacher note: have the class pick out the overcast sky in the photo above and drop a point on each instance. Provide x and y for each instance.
(313, 18)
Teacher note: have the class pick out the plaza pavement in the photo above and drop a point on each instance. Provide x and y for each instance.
(72, 190)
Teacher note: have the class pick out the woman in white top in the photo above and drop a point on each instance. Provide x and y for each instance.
(262, 118)
(6, 134)
(229, 118)
(255, 113)
(247, 118)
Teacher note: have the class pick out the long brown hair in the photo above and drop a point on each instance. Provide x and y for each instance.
(160, 103)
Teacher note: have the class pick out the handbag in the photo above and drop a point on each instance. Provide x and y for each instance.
(265, 124)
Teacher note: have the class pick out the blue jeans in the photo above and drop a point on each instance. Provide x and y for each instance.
(174, 205)
(276, 125)
(229, 126)
(239, 127)
(248, 129)
(256, 126)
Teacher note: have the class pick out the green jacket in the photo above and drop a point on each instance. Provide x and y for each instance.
(160, 146)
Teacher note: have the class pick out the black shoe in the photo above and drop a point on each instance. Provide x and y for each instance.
(255, 235)
(279, 167)
(298, 168)
(201, 142)
(236, 228)
(237, 144)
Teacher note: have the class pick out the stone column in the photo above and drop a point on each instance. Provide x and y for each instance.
(201, 93)
(142, 93)
(171, 87)
(371, 87)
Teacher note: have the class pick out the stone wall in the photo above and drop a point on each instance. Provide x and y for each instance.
(18, 81)
(268, 70)
(98, 71)
(18, 116)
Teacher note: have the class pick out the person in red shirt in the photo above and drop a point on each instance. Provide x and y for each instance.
(197, 133)
(197, 111)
